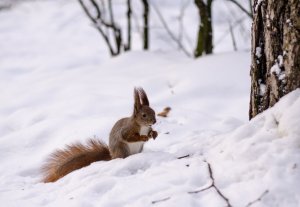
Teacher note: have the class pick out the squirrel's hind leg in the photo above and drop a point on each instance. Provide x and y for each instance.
(119, 151)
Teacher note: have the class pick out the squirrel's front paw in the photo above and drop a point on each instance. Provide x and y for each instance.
(144, 138)
(153, 134)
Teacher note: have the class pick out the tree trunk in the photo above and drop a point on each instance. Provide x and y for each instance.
(275, 53)
(129, 12)
(204, 40)
(146, 24)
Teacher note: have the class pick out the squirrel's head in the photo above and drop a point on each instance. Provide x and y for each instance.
(143, 114)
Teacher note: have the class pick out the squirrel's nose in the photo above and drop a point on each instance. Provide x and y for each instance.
(154, 121)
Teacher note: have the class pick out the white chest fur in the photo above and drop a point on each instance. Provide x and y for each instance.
(144, 130)
(135, 147)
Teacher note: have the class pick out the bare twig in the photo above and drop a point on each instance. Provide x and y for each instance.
(237, 23)
(181, 157)
(98, 20)
(97, 8)
(244, 32)
(258, 199)
(201, 190)
(116, 30)
(183, 7)
(160, 200)
(232, 36)
(242, 8)
(212, 186)
(105, 37)
(173, 37)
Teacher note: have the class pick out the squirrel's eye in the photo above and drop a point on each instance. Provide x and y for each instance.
(144, 115)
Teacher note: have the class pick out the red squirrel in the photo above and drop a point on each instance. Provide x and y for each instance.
(127, 137)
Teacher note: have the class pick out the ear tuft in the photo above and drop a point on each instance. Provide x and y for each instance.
(143, 96)
(137, 102)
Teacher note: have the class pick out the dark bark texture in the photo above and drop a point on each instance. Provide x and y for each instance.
(205, 35)
(275, 53)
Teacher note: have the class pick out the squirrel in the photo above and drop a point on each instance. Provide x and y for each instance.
(127, 137)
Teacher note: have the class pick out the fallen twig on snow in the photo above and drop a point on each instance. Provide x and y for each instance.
(258, 199)
(212, 185)
(161, 200)
(181, 157)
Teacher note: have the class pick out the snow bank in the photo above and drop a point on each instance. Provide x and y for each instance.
(262, 156)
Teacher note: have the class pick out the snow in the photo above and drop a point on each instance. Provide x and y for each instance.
(258, 52)
(262, 88)
(58, 86)
(276, 68)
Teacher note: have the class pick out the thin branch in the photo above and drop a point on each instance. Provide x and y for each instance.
(201, 190)
(237, 23)
(116, 30)
(161, 200)
(173, 37)
(105, 37)
(258, 199)
(183, 7)
(242, 8)
(181, 157)
(232, 36)
(213, 186)
(243, 31)
(97, 9)
(99, 21)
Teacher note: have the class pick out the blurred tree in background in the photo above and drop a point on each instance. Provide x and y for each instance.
(205, 34)
(119, 37)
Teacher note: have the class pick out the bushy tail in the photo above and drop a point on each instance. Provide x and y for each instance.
(75, 156)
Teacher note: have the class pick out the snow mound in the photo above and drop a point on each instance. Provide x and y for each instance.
(262, 157)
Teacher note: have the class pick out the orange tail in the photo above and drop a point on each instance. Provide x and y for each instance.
(75, 156)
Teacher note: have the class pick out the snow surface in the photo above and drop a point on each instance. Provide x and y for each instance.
(58, 86)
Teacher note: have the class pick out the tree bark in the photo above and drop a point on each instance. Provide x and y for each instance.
(275, 53)
(205, 34)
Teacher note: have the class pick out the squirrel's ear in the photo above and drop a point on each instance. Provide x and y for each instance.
(143, 96)
(137, 102)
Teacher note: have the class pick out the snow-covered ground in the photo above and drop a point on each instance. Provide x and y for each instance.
(58, 86)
